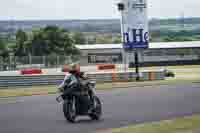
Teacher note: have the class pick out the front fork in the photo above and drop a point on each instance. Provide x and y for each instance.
(93, 99)
(74, 104)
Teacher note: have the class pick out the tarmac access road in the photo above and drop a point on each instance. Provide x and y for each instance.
(41, 114)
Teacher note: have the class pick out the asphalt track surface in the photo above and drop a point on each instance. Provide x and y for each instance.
(41, 114)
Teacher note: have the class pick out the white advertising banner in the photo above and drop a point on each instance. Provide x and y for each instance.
(134, 23)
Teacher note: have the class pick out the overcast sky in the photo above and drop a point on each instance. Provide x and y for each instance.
(90, 9)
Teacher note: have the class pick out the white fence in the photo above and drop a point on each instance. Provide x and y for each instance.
(16, 63)
(169, 58)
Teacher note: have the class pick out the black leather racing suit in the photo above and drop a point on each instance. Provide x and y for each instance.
(72, 83)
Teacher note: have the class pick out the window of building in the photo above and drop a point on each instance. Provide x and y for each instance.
(105, 58)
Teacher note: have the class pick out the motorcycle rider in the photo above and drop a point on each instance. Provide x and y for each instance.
(71, 80)
(76, 82)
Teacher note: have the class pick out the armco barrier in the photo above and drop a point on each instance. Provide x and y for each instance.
(153, 75)
(126, 76)
(13, 81)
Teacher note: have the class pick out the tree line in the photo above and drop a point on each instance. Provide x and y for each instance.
(43, 42)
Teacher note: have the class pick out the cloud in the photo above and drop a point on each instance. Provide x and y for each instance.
(86, 9)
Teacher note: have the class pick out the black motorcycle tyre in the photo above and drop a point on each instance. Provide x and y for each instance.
(68, 112)
(97, 113)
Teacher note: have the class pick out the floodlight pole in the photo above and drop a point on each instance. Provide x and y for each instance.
(137, 65)
(121, 9)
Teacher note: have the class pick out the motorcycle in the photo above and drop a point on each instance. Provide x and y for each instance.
(78, 104)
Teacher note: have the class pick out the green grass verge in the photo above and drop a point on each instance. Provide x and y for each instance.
(184, 75)
(180, 125)
(44, 90)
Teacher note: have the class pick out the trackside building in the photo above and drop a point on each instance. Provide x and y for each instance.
(161, 53)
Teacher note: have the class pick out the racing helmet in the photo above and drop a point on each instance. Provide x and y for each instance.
(73, 68)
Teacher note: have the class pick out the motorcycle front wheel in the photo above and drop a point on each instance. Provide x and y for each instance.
(69, 111)
(97, 113)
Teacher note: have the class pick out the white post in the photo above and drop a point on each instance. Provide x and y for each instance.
(43, 60)
(58, 61)
(30, 59)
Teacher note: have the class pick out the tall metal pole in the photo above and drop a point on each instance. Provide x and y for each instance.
(122, 32)
(137, 66)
